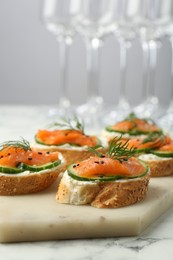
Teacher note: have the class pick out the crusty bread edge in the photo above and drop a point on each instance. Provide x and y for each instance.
(112, 194)
(160, 168)
(19, 184)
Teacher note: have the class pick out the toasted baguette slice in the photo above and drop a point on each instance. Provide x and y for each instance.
(28, 182)
(159, 167)
(107, 194)
(17, 184)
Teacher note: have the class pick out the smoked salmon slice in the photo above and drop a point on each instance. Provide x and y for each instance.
(134, 126)
(60, 137)
(12, 157)
(107, 169)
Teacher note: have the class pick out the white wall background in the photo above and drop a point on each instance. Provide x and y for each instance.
(29, 62)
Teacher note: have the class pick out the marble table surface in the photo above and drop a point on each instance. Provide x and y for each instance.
(155, 243)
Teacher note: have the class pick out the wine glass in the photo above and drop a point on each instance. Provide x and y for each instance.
(150, 26)
(57, 17)
(94, 22)
(125, 34)
(166, 120)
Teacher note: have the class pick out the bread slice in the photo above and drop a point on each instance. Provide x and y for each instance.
(159, 167)
(107, 194)
(28, 182)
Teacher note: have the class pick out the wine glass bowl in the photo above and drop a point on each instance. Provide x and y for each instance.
(58, 17)
(96, 18)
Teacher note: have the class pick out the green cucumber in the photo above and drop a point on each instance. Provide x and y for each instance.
(163, 154)
(39, 168)
(72, 172)
(25, 167)
(143, 150)
(38, 141)
(76, 145)
(132, 132)
(5, 169)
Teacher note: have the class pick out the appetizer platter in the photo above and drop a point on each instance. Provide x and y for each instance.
(68, 184)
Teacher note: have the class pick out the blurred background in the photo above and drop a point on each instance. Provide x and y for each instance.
(29, 62)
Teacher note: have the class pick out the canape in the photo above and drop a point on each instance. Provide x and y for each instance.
(131, 127)
(69, 138)
(24, 170)
(106, 180)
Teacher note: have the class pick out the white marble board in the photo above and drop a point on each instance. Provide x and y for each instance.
(39, 217)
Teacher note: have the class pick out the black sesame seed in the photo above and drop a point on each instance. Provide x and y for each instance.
(77, 164)
(103, 156)
(74, 166)
(9, 154)
(102, 162)
(48, 152)
(29, 159)
(40, 153)
(96, 162)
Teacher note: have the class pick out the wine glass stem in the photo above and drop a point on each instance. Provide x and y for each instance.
(64, 52)
(153, 57)
(124, 47)
(93, 70)
(145, 59)
(171, 42)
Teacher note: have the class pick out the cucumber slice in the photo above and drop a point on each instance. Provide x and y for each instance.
(132, 132)
(5, 169)
(23, 167)
(163, 154)
(72, 172)
(38, 141)
(143, 150)
(40, 167)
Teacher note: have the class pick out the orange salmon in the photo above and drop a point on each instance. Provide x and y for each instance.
(135, 124)
(11, 157)
(60, 137)
(96, 166)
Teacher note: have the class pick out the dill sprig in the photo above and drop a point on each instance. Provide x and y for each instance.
(117, 150)
(69, 124)
(94, 150)
(133, 116)
(23, 144)
(153, 136)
